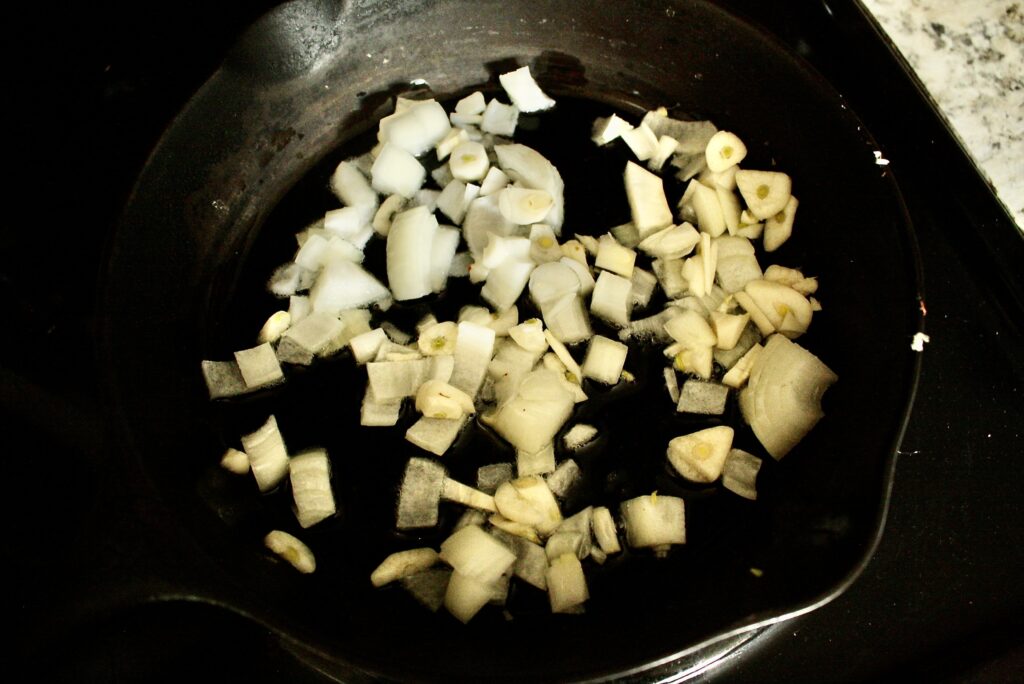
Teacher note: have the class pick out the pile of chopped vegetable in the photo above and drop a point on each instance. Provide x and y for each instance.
(728, 327)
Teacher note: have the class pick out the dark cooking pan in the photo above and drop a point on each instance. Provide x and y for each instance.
(244, 166)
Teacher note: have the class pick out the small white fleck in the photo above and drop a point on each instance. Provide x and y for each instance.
(219, 205)
(386, 60)
(919, 341)
(880, 160)
(369, 55)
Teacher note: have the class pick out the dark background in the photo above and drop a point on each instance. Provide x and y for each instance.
(93, 89)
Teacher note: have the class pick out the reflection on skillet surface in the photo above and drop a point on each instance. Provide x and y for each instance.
(819, 511)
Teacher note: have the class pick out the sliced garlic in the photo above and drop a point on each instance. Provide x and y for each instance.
(469, 161)
(725, 149)
(438, 339)
(292, 550)
(437, 399)
(765, 192)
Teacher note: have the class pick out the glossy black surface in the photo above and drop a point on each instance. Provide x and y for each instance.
(944, 574)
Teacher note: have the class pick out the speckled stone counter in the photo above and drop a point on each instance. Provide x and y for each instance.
(969, 54)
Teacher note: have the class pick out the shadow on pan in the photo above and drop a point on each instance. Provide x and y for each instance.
(219, 201)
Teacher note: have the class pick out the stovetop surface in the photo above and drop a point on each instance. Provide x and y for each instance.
(941, 598)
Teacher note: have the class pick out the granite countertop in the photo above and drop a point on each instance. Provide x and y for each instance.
(969, 54)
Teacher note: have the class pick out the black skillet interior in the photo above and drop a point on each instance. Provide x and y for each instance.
(244, 167)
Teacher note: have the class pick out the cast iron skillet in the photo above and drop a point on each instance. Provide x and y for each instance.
(217, 203)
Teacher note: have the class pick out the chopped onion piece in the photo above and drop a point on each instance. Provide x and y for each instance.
(409, 253)
(666, 147)
(612, 298)
(699, 396)
(365, 346)
(604, 530)
(646, 195)
(476, 554)
(538, 463)
(259, 366)
(654, 521)
(735, 271)
(740, 473)
(375, 413)
(782, 399)
(672, 384)
(670, 276)
(500, 119)
(483, 218)
(316, 334)
(292, 550)
(506, 282)
(565, 477)
(419, 494)
(474, 103)
(672, 242)
(693, 136)
(235, 461)
(344, 285)
(455, 199)
(466, 495)
(465, 596)
(571, 541)
(764, 325)
(417, 127)
(607, 129)
(474, 347)
(392, 380)
(524, 92)
(268, 457)
(737, 376)
(579, 435)
(730, 205)
(493, 182)
(310, 476)
(728, 328)
(490, 476)
(435, 435)
(396, 171)
(298, 308)
(614, 257)
(690, 329)
(642, 141)
(350, 186)
(428, 587)
(531, 564)
(699, 456)
(604, 360)
(707, 209)
(567, 586)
